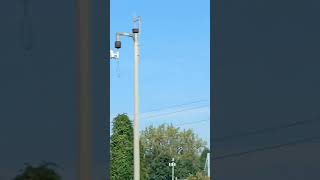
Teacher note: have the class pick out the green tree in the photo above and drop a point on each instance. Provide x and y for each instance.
(41, 172)
(170, 142)
(121, 148)
(159, 168)
(143, 170)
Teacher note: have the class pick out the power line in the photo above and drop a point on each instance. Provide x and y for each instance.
(194, 122)
(188, 123)
(177, 105)
(263, 131)
(174, 112)
(297, 142)
(172, 106)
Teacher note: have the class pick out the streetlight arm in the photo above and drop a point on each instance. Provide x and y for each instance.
(118, 42)
(123, 34)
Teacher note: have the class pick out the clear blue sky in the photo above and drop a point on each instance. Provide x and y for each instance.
(174, 63)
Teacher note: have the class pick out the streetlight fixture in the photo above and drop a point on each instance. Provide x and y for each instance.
(136, 148)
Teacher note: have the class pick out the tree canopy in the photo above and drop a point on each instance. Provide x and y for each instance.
(165, 142)
(121, 148)
(158, 145)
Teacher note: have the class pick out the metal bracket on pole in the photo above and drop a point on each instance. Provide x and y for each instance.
(114, 55)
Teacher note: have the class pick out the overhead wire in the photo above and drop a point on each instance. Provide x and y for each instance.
(172, 106)
(174, 112)
(266, 148)
(188, 123)
(263, 131)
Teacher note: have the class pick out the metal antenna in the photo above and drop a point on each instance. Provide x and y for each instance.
(134, 17)
(135, 20)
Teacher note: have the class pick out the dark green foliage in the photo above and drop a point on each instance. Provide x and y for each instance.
(186, 166)
(121, 148)
(158, 168)
(41, 172)
(143, 170)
